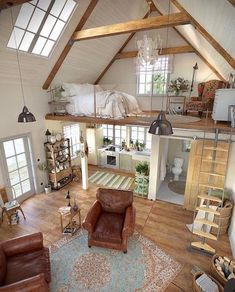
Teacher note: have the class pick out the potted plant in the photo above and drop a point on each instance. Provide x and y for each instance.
(178, 85)
(142, 179)
(43, 167)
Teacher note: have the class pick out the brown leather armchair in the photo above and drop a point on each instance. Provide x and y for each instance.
(24, 264)
(111, 219)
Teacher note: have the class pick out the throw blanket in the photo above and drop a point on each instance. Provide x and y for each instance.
(110, 103)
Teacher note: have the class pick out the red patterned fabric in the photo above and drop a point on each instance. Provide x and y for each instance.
(206, 95)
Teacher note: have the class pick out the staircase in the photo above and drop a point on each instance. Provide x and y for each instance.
(211, 180)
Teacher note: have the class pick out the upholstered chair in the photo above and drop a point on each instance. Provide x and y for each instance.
(111, 219)
(206, 95)
(24, 264)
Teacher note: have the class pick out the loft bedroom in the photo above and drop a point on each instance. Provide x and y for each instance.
(117, 145)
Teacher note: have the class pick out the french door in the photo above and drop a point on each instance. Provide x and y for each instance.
(17, 166)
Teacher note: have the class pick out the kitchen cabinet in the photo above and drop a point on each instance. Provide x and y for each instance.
(125, 161)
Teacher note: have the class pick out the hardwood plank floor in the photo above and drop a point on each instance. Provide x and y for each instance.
(162, 222)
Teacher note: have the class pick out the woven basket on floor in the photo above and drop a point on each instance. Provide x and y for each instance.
(224, 218)
(196, 288)
(216, 274)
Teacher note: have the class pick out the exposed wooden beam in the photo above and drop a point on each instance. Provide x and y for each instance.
(232, 2)
(165, 51)
(7, 4)
(132, 26)
(207, 36)
(114, 57)
(196, 51)
(69, 44)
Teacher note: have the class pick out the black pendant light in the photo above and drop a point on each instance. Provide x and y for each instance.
(25, 116)
(161, 126)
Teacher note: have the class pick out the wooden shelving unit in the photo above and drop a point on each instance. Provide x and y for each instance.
(59, 163)
(212, 173)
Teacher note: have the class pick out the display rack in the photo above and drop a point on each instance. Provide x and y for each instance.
(59, 163)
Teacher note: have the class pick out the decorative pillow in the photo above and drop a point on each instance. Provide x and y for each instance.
(3, 266)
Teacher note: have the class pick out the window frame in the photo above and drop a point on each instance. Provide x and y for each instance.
(37, 34)
(77, 144)
(113, 137)
(145, 140)
(163, 71)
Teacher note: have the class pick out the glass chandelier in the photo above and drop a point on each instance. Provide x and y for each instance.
(148, 51)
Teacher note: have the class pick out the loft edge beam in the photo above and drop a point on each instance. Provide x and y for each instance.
(132, 26)
(69, 44)
(207, 36)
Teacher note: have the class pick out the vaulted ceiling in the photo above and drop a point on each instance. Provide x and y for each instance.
(87, 59)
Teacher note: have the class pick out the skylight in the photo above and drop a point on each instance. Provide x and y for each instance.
(39, 25)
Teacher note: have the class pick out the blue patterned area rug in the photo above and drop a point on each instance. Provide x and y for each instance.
(145, 267)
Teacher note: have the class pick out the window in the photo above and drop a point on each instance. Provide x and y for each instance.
(72, 132)
(39, 25)
(152, 80)
(141, 134)
(116, 134)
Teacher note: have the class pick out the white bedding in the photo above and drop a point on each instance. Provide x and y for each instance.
(109, 103)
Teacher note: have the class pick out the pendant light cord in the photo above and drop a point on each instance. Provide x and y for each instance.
(167, 35)
(17, 57)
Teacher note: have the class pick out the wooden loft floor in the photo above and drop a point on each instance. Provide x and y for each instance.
(145, 119)
(162, 222)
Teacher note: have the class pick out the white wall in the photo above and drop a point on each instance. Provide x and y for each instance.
(122, 76)
(11, 106)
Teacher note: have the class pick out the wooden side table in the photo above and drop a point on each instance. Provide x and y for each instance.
(70, 217)
(171, 100)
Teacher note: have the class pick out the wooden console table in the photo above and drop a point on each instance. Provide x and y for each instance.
(71, 219)
(171, 100)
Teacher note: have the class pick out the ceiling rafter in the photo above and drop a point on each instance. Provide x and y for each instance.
(4, 4)
(155, 8)
(114, 57)
(232, 2)
(207, 36)
(196, 51)
(132, 26)
(164, 51)
(69, 44)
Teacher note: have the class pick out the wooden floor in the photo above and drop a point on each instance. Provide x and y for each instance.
(145, 119)
(162, 222)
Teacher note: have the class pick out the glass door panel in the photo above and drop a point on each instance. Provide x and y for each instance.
(18, 174)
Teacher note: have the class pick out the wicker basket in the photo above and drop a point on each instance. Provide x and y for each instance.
(197, 289)
(224, 218)
(215, 272)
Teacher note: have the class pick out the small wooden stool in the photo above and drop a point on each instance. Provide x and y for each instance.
(70, 215)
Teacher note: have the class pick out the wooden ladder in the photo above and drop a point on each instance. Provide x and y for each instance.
(212, 174)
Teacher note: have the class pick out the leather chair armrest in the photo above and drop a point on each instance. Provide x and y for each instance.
(129, 222)
(33, 284)
(23, 244)
(92, 216)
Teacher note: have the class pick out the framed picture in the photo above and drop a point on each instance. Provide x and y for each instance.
(231, 112)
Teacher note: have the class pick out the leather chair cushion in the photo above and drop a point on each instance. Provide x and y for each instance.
(109, 227)
(114, 200)
(24, 266)
(3, 266)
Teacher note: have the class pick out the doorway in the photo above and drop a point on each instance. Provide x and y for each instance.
(17, 167)
(173, 169)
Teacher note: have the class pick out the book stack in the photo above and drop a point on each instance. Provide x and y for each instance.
(206, 284)
(14, 219)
